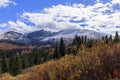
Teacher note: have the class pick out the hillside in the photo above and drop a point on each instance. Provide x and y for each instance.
(97, 63)
(9, 46)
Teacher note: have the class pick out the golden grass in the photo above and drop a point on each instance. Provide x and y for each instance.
(79, 67)
(6, 46)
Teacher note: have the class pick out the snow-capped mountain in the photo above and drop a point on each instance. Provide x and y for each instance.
(11, 35)
(43, 37)
(70, 33)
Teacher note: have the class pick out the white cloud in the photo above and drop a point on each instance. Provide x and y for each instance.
(99, 17)
(19, 26)
(115, 1)
(5, 3)
(3, 25)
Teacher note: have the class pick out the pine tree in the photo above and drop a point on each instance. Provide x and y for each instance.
(18, 66)
(75, 40)
(36, 56)
(79, 40)
(62, 47)
(12, 64)
(25, 62)
(31, 58)
(85, 39)
(4, 63)
(40, 56)
(56, 53)
(43, 55)
(116, 39)
(82, 39)
(106, 39)
(110, 39)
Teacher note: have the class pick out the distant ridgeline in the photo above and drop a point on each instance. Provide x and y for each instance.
(14, 62)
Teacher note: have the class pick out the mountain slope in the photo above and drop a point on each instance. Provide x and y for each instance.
(9, 46)
(96, 63)
(70, 33)
(11, 35)
(42, 37)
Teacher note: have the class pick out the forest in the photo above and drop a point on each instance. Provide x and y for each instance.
(82, 59)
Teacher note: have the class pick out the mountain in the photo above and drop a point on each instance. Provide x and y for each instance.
(42, 37)
(11, 35)
(70, 33)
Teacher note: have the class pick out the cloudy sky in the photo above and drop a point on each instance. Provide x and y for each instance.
(56, 15)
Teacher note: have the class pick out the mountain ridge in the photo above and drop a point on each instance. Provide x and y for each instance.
(46, 37)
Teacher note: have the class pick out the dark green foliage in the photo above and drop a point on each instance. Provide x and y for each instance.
(116, 39)
(39, 56)
(37, 59)
(56, 53)
(31, 58)
(110, 39)
(12, 64)
(106, 39)
(62, 47)
(75, 40)
(17, 69)
(4, 63)
(25, 62)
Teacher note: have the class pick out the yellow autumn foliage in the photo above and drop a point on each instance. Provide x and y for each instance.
(96, 63)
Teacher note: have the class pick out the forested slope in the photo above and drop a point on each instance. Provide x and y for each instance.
(83, 59)
(98, 63)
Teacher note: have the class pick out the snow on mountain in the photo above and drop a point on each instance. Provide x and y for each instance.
(11, 35)
(70, 33)
(42, 36)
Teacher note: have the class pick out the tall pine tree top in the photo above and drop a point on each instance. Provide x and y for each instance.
(62, 47)
(116, 39)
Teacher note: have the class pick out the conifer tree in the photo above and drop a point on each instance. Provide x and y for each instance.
(62, 47)
(75, 40)
(106, 39)
(116, 39)
(25, 62)
(12, 64)
(4, 63)
(36, 56)
(110, 39)
(18, 66)
(43, 55)
(82, 39)
(40, 56)
(85, 39)
(79, 40)
(56, 53)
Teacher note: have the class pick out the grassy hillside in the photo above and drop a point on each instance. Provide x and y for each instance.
(97, 63)
(8, 46)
